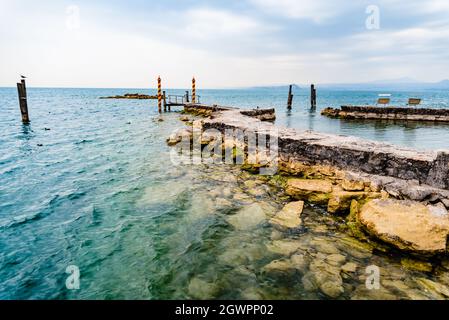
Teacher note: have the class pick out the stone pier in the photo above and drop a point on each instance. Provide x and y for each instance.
(388, 113)
(399, 196)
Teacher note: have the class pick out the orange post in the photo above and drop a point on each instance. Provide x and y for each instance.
(193, 90)
(159, 94)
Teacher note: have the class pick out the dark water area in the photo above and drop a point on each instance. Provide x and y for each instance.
(101, 193)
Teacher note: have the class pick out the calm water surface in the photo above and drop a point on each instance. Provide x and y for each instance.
(102, 194)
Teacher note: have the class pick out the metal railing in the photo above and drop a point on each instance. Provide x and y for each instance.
(175, 99)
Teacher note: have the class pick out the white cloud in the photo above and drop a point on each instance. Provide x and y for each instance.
(418, 6)
(317, 11)
(223, 48)
(211, 23)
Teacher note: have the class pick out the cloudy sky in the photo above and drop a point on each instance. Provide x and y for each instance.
(223, 43)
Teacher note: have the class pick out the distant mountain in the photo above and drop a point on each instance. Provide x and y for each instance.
(442, 84)
(402, 84)
(284, 86)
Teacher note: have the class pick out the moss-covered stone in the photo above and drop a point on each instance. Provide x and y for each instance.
(314, 191)
(416, 265)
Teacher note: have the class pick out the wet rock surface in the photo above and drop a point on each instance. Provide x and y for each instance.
(289, 216)
(406, 225)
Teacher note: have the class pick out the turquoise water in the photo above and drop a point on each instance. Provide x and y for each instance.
(102, 194)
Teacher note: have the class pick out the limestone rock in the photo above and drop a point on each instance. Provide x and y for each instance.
(284, 247)
(308, 282)
(248, 217)
(179, 136)
(327, 278)
(203, 290)
(316, 191)
(299, 261)
(417, 265)
(289, 216)
(362, 293)
(406, 225)
(340, 201)
(349, 267)
(294, 168)
(325, 246)
(349, 185)
(279, 266)
(251, 294)
(223, 203)
(332, 289)
(433, 287)
(336, 259)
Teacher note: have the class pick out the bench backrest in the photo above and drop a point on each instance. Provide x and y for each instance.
(414, 101)
(383, 101)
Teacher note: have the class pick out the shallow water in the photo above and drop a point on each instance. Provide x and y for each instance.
(102, 194)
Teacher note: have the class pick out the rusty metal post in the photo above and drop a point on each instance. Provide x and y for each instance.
(164, 101)
(22, 91)
(290, 98)
(193, 90)
(159, 94)
(313, 96)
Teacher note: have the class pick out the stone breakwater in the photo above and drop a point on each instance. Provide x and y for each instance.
(135, 96)
(397, 196)
(207, 111)
(387, 113)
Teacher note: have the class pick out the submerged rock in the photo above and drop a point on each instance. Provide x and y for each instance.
(327, 278)
(201, 289)
(349, 267)
(283, 266)
(362, 293)
(336, 259)
(332, 289)
(299, 261)
(284, 247)
(316, 191)
(289, 216)
(406, 225)
(223, 203)
(178, 136)
(326, 246)
(435, 288)
(248, 217)
(417, 265)
(251, 294)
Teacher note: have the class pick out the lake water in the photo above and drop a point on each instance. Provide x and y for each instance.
(101, 193)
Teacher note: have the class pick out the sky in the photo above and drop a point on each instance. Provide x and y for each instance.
(224, 44)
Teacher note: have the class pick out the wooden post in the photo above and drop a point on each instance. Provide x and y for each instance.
(290, 98)
(22, 91)
(193, 90)
(159, 94)
(164, 101)
(187, 96)
(313, 96)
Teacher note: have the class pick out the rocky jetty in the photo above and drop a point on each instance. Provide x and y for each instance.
(387, 113)
(395, 196)
(135, 96)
